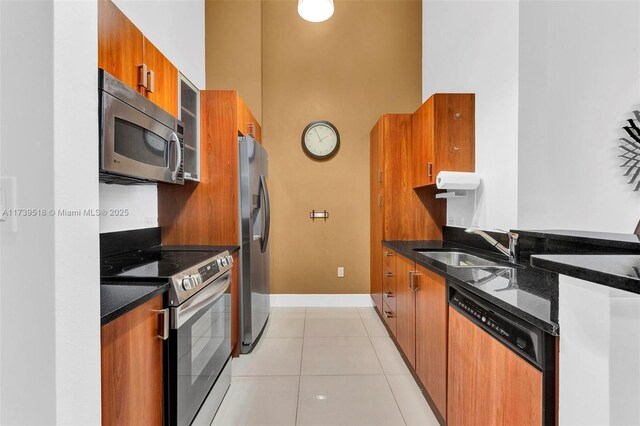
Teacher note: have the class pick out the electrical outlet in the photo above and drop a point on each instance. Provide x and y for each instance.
(450, 221)
(340, 271)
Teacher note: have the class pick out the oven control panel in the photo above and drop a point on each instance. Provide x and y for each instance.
(209, 270)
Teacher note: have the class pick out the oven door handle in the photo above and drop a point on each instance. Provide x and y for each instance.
(204, 297)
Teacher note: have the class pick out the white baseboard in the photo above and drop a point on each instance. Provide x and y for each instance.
(322, 300)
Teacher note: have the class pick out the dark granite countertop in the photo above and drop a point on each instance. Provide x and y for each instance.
(621, 271)
(530, 294)
(231, 249)
(118, 298)
(604, 239)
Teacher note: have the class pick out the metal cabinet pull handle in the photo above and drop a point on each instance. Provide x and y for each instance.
(412, 281)
(152, 82)
(379, 175)
(252, 129)
(379, 200)
(388, 274)
(429, 169)
(388, 253)
(388, 314)
(142, 75)
(163, 333)
(388, 294)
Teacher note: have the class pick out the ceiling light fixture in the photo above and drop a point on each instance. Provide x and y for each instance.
(315, 10)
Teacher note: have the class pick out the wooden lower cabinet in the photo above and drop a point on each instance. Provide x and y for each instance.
(406, 309)
(132, 367)
(488, 383)
(431, 335)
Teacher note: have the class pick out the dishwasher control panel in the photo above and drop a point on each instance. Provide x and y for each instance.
(522, 341)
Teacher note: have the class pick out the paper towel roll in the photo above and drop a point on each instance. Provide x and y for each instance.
(457, 180)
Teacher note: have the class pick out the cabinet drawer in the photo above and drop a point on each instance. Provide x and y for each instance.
(389, 259)
(389, 289)
(389, 317)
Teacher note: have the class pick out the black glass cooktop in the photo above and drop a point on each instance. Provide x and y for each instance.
(152, 263)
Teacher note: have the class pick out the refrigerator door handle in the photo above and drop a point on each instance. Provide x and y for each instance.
(267, 213)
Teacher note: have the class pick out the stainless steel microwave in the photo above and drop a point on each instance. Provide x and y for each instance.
(139, 141)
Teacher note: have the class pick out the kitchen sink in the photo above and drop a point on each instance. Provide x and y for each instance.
(461, 260)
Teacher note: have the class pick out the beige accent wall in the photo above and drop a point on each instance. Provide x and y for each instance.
(233, 43)
(363, 62)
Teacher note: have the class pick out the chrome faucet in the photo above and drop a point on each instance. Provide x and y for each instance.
(510, 252)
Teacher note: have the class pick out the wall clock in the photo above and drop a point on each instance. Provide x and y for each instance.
(631, 151)
(320, 140)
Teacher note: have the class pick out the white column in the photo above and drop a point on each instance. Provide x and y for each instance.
(599, 354)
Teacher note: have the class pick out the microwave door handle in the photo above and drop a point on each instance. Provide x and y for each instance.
(176, 142)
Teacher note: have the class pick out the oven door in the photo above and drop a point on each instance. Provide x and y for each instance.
(200, 345)
(135, 145)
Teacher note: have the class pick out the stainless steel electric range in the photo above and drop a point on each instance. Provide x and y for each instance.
(199, 335)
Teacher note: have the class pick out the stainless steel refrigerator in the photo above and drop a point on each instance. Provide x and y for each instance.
(255, 220)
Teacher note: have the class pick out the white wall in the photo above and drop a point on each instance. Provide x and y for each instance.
(472, 46)
(139, 201)
(579, 82)
(49, 297)
(176, 27)
(554, 83)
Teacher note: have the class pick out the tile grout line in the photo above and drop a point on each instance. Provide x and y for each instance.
(304, 328)
(395, 399)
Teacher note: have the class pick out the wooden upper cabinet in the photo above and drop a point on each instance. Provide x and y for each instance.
(443, 131)
(132, 367)
(247, 123)
(406, 308)
(488, 384)
(398, 212)
(162, 79)
(125, 53)
(119, 44)
(431, 335)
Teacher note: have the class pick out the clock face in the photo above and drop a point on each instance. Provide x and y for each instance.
(320, 140)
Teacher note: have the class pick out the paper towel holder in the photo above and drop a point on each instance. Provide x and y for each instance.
(462, 183)
(456, 193)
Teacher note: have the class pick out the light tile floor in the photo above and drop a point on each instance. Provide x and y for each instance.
(323, 366)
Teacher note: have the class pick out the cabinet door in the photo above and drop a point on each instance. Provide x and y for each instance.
(119, 44)
(247, 123)
(375, 203)
(132, 367)
(454, 133)
(406, 309)
(431, 335)
(422, 147)
(488, 383)
(162, 82)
